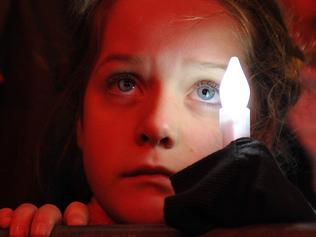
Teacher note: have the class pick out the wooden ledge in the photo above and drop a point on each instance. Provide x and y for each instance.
(275, 230)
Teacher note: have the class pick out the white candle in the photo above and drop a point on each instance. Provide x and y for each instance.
(234, 116)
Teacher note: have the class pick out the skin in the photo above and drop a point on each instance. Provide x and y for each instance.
(161, 124)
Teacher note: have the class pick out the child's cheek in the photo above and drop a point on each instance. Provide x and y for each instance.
(199, 142)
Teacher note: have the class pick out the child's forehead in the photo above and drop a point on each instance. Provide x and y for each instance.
(168, 24)
(165, 5)
(170, 11)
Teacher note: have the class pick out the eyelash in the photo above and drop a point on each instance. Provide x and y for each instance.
(213, 100)
(114, 79)
(209, 83)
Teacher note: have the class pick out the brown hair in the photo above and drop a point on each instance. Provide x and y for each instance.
(274, 63)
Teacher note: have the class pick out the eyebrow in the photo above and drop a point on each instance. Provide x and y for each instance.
(127, 58)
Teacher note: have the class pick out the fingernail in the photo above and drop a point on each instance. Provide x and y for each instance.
(77, 220)
(42, 230)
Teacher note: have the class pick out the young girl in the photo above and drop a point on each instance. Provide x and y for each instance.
(145, 104)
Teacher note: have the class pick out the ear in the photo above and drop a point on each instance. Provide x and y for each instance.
(79, 134)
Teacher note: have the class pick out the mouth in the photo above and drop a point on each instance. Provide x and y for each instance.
(148, 171)
(153, 178)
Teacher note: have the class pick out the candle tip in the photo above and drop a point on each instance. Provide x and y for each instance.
(234, 88)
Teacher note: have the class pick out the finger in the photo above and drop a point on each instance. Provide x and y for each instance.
(22, 219)
(5, 217)
(45, 219)
(76, 214)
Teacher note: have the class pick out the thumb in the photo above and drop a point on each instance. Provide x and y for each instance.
(76, 213)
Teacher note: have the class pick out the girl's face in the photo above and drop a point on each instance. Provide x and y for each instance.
(151, 105)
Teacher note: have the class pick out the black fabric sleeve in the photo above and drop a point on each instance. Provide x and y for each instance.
(238, 185)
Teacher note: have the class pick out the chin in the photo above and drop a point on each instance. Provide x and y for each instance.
(138, 210)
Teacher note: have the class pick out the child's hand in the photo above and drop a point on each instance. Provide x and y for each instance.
(27, 218)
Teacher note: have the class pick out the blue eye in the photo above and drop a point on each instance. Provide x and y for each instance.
(206, 91)
(126, 84)
(123, 84)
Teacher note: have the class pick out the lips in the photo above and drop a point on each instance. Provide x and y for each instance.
(148, 170)
(152, 178)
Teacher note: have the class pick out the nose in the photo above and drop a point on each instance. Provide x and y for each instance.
(159, 125)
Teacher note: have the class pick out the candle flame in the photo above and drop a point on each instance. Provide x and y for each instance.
(234, 89)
